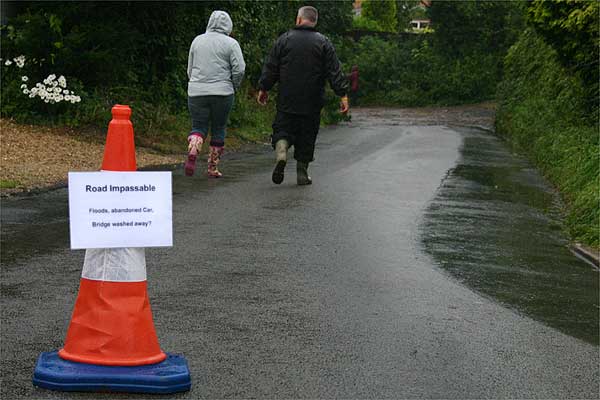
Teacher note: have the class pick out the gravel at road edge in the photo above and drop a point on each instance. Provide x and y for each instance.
(37, 157)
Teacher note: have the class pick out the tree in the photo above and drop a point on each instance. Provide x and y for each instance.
(383, 12)
(462, 28)
(571, 27)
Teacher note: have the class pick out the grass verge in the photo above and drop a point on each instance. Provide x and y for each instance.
(542, 111)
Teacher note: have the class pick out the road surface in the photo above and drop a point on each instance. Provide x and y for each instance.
(334, 290)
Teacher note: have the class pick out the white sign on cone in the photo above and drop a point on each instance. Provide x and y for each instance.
(120, 209)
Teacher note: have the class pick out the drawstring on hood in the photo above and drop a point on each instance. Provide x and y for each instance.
(220, 22)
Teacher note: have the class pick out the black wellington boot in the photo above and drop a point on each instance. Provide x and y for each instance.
(302, 177)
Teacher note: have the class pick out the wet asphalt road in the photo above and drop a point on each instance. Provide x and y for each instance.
(335, 290)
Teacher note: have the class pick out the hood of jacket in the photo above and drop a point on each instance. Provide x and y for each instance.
(219, 22)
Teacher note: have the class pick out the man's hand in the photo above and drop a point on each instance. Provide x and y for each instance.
(262, 97)
(344, 107)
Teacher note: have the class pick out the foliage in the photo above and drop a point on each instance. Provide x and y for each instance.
(411, 73)
(461, 62)
(541, 110)
(465, 28)
(380, 14)
(136, 53)
(365, 24)
(571, 27)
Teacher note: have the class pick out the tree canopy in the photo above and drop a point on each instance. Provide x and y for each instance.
(571, 27)
(382, 12)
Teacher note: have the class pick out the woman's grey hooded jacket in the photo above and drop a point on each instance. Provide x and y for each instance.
(215, 63)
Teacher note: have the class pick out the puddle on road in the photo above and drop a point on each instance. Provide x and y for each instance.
(33, 225)
(495, 226)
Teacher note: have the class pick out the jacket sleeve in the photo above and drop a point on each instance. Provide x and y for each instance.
(190, 62)
(270, 71)
(337, 80)
(238, 65)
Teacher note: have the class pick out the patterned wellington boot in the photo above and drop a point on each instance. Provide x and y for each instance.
(214, 156)
(194, 146)
(281, 148)
(302, 177)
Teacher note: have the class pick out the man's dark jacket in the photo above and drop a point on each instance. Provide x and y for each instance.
(302, 60)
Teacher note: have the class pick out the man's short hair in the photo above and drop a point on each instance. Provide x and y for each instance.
(309, 13)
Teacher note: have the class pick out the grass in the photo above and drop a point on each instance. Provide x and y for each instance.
(542, 114)
(9, 184)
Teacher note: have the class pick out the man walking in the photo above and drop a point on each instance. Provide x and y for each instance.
(301, 61)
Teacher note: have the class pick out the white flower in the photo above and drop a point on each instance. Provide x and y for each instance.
(8, 62)
(24, 78)
(52, 91)
(20, 61)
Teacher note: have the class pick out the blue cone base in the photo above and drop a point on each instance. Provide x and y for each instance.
(170, 376)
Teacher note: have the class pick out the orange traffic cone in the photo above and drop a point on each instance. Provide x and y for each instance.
(112, 322)
(119, 152)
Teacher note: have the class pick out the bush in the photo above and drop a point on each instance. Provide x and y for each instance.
(411, 73)
(541, 111)
(136, 53)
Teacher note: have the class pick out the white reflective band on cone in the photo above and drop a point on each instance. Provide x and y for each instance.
(126, 264)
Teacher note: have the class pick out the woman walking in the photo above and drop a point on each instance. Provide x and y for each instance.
(215, 70)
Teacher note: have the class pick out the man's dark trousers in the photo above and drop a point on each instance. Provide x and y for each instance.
(300, 130)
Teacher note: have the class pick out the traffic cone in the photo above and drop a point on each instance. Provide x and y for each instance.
(111, 342)
(119, 152)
